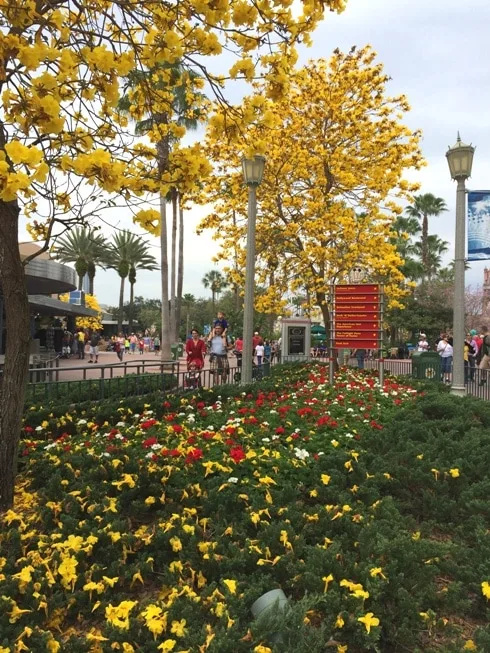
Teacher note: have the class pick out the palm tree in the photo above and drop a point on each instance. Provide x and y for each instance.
(188, 300)
(84, 247)
(129, 253)
(436, 248)
(424, 206)
(216, 282)
(179, 107)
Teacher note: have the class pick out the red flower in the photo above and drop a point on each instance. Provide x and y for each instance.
(237, 454)
(147, 424)
(166, 404)
(28, 429)
(150, 442)
(177, 428)
(375, 425)
(280, 430)
(208, 435)
(201, 405)
(193, 456)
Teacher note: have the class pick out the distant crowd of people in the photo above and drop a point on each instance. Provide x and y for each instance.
(217, 346)
(476, 353)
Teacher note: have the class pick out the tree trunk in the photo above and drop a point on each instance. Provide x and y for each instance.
(322, 303)
(80, 282)
(15, 370)
(425, 246)
(121, 307)
(173, 261)
(213, 301)
(166, 332)
(91, 285)
(130, 310)
(180, 274)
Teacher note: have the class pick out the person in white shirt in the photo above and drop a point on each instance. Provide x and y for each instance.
(422, 344)
(259, 352)
(445, 351)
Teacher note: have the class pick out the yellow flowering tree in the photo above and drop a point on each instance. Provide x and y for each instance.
(336, 150)
(66, 151)
(85, 322)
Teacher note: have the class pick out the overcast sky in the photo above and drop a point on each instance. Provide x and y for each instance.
(437, 52)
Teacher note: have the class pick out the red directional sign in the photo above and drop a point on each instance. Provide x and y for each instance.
(357, 316)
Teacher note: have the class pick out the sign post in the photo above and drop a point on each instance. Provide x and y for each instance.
(357, 318)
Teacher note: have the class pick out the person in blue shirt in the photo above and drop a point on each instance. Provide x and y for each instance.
(221, 321)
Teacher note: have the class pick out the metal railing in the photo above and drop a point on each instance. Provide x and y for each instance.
(129, 378)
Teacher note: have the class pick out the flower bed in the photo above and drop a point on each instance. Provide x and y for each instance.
(157, 531)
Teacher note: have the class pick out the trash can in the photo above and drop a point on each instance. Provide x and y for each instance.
(426, 366)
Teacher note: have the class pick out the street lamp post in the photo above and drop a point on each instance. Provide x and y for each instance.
(460, 160)
(253, 171)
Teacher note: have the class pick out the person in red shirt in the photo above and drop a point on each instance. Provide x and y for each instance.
(257, 340)
(195, 349)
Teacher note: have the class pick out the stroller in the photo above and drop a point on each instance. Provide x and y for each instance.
(192, 380)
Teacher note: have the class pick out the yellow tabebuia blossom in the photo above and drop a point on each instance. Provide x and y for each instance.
(337, 150)
(369, 621)
(230, 584)
(454, 472)
(167, 645)
(485, 588)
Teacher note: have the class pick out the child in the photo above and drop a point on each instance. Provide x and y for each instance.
(141, 346)
(193, 376)
(126, 345)
(221, 321)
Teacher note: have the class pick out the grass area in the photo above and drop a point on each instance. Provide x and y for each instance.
(156, 526)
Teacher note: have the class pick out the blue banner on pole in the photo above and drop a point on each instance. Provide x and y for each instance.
(478, 225)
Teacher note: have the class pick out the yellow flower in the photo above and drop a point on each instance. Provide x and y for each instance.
(118, 615)
(339, 622)
(262, 649)
(127, 648)
(454, 472)
(230, 584)
(167, 645)
(485, 588)
(377, 571)
(176, 544)
(67, 572)
(369, 620)
(342, 648)
(327, 579)
(178, 628)
(469, 646)
(325, 479)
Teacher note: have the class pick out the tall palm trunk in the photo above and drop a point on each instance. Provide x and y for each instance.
(14, 377)
(121, 306)
(91, 284)
(180, 272)
(425, 246)
(131, 306)
(166, 331)
(173, 269)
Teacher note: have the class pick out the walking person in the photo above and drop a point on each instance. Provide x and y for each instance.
(485, 355)
(259, 352)
(218, 350)
(445, 351)
(360, 355)
(94, 347)
(81, 344)
(195, 348)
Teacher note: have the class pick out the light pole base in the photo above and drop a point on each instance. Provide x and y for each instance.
(459, 390)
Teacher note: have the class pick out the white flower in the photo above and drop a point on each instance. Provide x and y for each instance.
(48, 446)
(39, 428)
(149, 455)
(210, 428)
(233, 479)
(121, 424)
(276, 437)
(349, 410)
(106, 455)
(273, 412)
(266, 439)
(349, 435)
(81, 422)
(156, 447)
(118, 436)
(302, 454)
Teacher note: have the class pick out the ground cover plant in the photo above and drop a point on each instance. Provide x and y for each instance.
(155, 527)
